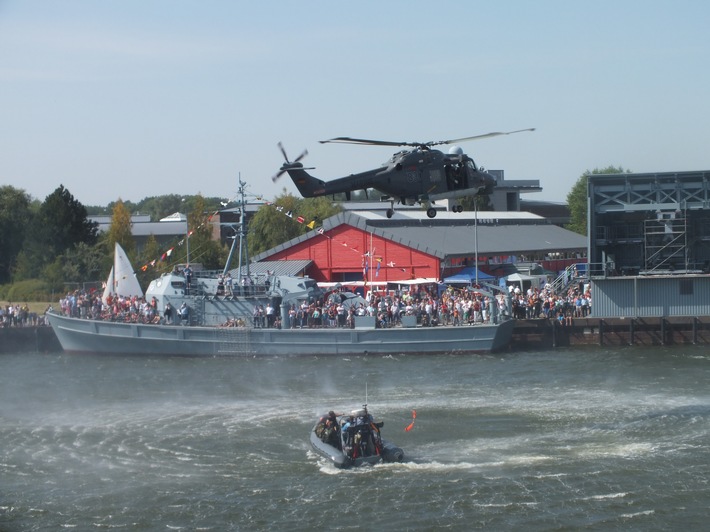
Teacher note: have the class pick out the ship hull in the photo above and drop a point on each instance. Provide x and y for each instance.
(107, 337)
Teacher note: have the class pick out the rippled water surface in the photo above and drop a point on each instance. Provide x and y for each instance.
(590, 438)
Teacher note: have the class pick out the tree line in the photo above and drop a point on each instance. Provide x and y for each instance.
(50, 246)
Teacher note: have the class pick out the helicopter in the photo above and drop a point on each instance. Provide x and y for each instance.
(419, 174)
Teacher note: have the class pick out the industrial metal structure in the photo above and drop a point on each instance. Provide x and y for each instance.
(649, 244)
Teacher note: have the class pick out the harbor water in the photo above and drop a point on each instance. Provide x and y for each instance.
(588, 438)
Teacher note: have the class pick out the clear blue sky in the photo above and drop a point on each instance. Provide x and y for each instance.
(135, 98)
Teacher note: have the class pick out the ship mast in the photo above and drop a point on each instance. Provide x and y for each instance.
(241, 235)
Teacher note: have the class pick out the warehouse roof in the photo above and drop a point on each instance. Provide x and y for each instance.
(456, 234)
(274, 267)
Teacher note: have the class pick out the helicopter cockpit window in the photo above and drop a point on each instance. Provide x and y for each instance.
(456, 176)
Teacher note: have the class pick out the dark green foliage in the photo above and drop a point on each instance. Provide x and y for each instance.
(482, 202)
(29, 290)
(80, 264)
(159, 207)
(60, 224)
(150, 251)
(203, 249)
(270, 227)
(54, 240)
(15, 215)
(64, 223)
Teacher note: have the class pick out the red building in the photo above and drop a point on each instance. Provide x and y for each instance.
(358, 245)
(346, 253)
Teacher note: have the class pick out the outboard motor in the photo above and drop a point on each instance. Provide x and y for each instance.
(393, 454)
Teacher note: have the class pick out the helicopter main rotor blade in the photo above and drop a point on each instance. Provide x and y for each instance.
(370, 142)
(350, 140)
(478, 137)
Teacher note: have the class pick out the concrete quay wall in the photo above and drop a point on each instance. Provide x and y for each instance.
(28, 340)
(641, 331)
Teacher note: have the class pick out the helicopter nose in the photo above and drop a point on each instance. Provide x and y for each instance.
(490, 182)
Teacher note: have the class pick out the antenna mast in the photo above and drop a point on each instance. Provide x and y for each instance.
(241, 234)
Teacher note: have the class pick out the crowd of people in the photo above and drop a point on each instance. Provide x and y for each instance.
(134, 309)
(534, 303)
(451, 307)
(455, 307)
(14, 315)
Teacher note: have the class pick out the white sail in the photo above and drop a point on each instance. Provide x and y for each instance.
(124, 278)
(108, 286)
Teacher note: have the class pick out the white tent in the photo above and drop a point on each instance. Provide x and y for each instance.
(526, 281)
(419, 280)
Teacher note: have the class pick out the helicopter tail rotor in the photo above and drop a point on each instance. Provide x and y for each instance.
(288, 164)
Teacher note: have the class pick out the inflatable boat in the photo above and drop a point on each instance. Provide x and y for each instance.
(352, 440)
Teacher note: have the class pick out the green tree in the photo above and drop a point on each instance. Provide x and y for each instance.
(480, 201)
(270, 226)
(81, 264)
(203, 249)
(65, 222)
(59, 225)
(120, 230)
(150, 252)
(128, 205)
(15, 215)
(315, 210)
(577, 198)
(161, 206)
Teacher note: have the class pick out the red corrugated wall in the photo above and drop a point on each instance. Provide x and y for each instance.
(342, 249)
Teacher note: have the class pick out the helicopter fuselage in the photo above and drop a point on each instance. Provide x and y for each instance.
(410, 176)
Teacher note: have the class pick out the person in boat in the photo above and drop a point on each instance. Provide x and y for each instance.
(347, 434)
(168, 313)
(228, 284)
(328, 429)
(184, 313)
(187, 272)
(270, 315)
(364, 434)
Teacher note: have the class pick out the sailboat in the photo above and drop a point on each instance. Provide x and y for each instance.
(121, 279)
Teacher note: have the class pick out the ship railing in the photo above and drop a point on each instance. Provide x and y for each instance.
(199, 290)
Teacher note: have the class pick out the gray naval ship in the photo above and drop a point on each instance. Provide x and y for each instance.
(223, 325)
(219, 321)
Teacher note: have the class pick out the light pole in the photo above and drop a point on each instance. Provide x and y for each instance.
(187, 238)
(475, 235)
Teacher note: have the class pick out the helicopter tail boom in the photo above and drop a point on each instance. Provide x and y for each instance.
(307, 185)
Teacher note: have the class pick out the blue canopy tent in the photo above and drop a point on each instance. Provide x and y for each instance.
(468, 276)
